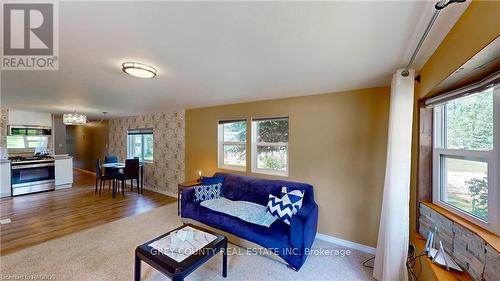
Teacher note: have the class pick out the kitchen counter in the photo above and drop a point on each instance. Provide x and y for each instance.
(5, 178)
(60, 157)
(63, 171)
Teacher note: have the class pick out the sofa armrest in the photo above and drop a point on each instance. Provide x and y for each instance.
(303, 227)
(187, 196)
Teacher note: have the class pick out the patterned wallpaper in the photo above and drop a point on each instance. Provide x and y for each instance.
(167, 169)
(4, 121)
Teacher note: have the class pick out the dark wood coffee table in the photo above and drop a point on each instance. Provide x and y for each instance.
(178, 270)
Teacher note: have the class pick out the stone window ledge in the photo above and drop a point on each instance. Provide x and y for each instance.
(489, 237)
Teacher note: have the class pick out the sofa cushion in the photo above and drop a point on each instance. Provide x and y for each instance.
(207, 192)
(280, 208)
(275, 236)
(247, 211)
(257, 190)
(212, 180)
(294, 197)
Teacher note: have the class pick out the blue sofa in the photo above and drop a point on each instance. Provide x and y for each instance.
(287, 241)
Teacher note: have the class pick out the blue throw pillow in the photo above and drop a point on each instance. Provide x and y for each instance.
(207, 192)
(293, 197)
(212, 180)
(280, 209)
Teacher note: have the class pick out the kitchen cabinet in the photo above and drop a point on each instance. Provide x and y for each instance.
(4, 178)
(64, 172)
(29, 118)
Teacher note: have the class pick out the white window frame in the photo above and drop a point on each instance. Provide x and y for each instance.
(131, 154)
(221, 143)
(490, 157)
(256, 144)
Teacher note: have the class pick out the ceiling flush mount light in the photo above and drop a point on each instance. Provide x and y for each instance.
(74, 119)
(139, 70)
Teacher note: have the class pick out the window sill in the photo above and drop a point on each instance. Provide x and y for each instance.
(490, 238)
(234, 168)
(438, 272)
(270, 172)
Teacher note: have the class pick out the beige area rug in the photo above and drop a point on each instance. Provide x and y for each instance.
(106, 252)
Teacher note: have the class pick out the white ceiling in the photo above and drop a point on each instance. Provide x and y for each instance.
(221, 52)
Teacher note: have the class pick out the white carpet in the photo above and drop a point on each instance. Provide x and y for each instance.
(106, 252)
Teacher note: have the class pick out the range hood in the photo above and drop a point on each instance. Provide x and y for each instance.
(15, 130)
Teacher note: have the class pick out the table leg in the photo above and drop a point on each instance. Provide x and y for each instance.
(142, 178)
(178, 278)
(137, 269)
(224, 261)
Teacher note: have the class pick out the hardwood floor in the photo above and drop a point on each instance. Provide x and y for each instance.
(44, 216)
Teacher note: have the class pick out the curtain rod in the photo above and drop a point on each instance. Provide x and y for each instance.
(439, 6)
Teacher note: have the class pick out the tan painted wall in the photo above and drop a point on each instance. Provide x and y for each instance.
(337, 143)
(87, 144)
(99, 134)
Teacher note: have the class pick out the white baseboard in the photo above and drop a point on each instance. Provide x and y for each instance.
(64, 186)
(346, 243)
(164, 192)
(5, 195)
(85, 171)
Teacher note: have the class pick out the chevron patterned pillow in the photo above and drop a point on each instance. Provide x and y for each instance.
(207, 192)
(280, 209)
(293, 197)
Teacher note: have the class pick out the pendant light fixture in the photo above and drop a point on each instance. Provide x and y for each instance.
(74, 119)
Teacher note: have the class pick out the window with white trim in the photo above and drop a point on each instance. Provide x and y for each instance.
(232, 146)
(270, 146)
(140, 144)
(466, 157)
(27, 142)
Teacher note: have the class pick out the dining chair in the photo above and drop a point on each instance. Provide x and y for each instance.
(101, 177)
(130, 172)
(110, 159)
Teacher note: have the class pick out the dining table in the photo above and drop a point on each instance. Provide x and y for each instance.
(116, 167)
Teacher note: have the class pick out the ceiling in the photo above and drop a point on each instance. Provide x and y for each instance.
(210, 53)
